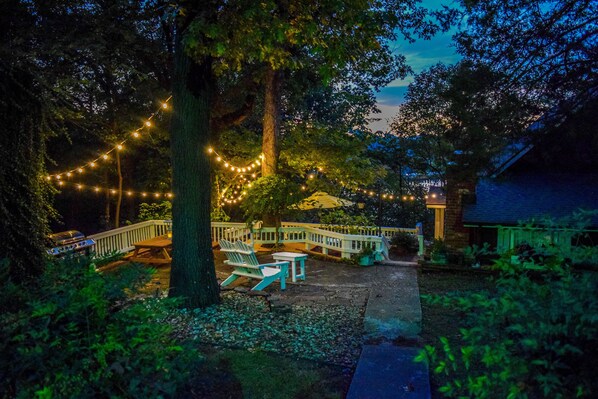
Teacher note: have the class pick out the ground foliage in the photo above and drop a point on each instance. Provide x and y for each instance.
(78, 333)
(533, 337)
(323, 333)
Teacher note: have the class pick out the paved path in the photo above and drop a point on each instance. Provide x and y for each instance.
(386, 369)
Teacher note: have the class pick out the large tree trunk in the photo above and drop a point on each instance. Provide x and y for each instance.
(192, 275)
(271, 122)
(271, 130)
(22, 206)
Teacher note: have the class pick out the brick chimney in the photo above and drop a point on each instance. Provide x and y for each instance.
(456, 236)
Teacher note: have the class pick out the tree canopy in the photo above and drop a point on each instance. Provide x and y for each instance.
(549, 49)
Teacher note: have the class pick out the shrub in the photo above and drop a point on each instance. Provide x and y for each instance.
(78, 333)
(405, 242)
(155, 211)
(535, 337)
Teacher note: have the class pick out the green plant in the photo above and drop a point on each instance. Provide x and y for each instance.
(155, 211)
(473, 254)
(438, 247)
(270, 196)
(338, 219)
(406, 242)
(533, 338)
(78, 333)
(218, 215)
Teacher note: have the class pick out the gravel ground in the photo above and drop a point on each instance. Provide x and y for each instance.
(322, 332)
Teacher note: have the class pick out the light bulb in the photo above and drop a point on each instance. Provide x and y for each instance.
(148, 123)
(135, 134)
(119, 147)
(164, 106)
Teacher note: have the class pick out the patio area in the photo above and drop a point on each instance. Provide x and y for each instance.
(327, 282)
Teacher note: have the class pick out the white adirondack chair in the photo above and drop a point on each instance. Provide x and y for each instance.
(242, 257)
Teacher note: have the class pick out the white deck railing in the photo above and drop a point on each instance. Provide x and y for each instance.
(329, 238)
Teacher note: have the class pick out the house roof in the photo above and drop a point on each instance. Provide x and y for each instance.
(526, 196)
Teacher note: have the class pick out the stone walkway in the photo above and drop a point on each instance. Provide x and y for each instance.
(392, 321)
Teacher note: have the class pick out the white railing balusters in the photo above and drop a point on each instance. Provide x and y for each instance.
(329, 238)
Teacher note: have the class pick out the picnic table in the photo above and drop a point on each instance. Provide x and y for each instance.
(154, 250)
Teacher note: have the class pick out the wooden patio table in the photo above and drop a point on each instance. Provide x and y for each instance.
(154, 250)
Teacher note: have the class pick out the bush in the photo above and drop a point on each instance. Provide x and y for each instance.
(78, 333)
(535, 337)
(405, 242)
(155, 211)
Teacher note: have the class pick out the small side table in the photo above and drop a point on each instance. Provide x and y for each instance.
(293, 257)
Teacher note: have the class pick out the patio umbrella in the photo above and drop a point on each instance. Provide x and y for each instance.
(322, 200)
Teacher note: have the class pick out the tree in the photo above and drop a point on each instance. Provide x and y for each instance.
(193, 275)
(547, 48)
(455, 120)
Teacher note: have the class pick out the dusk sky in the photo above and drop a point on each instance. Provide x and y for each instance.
(420, 55)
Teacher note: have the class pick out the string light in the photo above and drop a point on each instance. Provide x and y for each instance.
(234, 168)
(97, 189)
(119, 146)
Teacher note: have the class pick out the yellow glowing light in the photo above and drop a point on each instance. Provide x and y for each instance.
(164, 106)
(48, 177)
(257, 162)
(148, 123)
(433, 195)
(143, 194)
(226, 164)
(371, 193)
(69, 174)
(249, 185)
(311, 176)
(169, 195)
(135, 134)
(119, 147)
(218, 159)
(404, 198)
(79, 186)
(253, 175)
(391, 197)
(320, 168)
(244, 170)
(60, 183)
(425, 196)
(383, 195)
(303, 188)
(129, 193)
(112, 191)
(210, 150)
(157, 195)
(105, 156)
(97, 189)
(80, 170)
(412, 198)
(58, 177)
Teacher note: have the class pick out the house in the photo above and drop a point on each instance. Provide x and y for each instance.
(550, 178)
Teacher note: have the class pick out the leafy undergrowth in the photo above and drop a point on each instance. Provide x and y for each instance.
(330, 334)
(234, 373)
(437, 320)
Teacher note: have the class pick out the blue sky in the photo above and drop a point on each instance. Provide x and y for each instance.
(420, 55)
